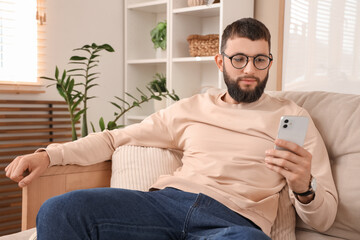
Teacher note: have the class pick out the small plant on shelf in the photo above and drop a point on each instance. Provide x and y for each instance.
(158, 84)
(158, 35)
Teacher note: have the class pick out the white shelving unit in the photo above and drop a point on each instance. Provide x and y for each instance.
(186, 75)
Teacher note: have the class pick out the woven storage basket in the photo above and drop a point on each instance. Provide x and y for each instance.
(203, 45)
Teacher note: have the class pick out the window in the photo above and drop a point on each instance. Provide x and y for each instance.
(322, 45)
(18, 41)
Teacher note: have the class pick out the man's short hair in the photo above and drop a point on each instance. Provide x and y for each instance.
(248, 28)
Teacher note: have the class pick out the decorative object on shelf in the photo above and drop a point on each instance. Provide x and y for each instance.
(192, 3)
(158, 35)
(209, 2)
(158, 85)
(203, 45)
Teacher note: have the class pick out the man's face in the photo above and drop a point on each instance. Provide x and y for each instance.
(246, 84)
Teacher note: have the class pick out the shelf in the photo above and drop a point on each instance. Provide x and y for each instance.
(200, 11)
(147, 61)
(185, 75)
(195, 59)
(158, 6)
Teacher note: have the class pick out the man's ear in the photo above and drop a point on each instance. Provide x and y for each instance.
(219, 61)
(271, 61)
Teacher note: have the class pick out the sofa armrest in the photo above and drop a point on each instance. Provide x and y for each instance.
(59, 180)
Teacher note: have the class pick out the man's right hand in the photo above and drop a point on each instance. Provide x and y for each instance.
(35, 164)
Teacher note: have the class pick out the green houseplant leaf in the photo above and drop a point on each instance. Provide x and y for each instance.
(85, 64)
(158, 35)
(158, 84)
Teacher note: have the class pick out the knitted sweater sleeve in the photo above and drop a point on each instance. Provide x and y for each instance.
(99, 147)
(319, 213)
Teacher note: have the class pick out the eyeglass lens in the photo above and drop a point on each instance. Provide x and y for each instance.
(241, 60)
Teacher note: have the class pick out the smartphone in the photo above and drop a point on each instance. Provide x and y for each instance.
(293, 129)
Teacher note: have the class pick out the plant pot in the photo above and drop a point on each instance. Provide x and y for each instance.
(158, 105)
(159, 53)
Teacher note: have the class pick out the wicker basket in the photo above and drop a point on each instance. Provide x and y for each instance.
(192, 3)
(203, 45)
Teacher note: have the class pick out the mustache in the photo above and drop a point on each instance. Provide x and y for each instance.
(247, 77)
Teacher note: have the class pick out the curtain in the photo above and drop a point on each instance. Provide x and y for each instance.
(322, 46)
(22, 41)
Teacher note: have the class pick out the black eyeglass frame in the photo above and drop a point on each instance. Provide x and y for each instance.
(247, 59)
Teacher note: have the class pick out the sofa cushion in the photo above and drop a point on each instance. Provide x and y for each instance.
(337, 117)
(138, 168)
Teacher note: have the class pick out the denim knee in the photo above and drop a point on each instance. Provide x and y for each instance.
(63, 216)
(51, 211)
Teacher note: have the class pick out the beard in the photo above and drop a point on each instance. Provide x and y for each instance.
(247, 95)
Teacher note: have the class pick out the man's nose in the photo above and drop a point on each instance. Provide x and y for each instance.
(250, 67)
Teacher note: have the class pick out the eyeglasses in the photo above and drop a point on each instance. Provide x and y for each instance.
(240, 60)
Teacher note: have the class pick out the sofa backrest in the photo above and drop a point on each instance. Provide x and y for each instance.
(337, 117)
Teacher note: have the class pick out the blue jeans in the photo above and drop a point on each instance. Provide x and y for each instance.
(109, 213)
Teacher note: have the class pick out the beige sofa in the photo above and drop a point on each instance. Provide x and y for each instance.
(337, 117)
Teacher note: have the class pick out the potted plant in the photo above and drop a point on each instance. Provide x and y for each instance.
(158, 85)
(158, 37)
(75, 91)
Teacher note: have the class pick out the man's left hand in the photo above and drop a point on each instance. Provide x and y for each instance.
(294, 164)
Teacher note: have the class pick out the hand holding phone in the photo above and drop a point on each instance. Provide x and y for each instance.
(293, 129)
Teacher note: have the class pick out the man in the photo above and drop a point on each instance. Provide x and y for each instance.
(229, 183)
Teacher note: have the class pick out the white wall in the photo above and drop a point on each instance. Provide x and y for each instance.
(72, 24)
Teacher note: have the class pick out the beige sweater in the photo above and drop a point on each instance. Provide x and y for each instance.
(224, 149)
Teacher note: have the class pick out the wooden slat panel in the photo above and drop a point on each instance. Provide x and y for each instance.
(11, 188)
(18, 91)
(31, 144)
(6, 160)
(9, 210)
(36, 130)
(32, 109)
(13, 195)
(11, 203)
(35, 123)
(12, 231)
(32, 102)
(26, 125)
(2, 168)
(28, 116)
(11, 225)
(36, 137)
(6, 182)
(15, 217)
(16, 153)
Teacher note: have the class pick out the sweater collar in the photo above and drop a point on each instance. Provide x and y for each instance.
(222, 103)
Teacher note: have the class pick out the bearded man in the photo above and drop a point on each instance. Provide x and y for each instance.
(228, 186)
